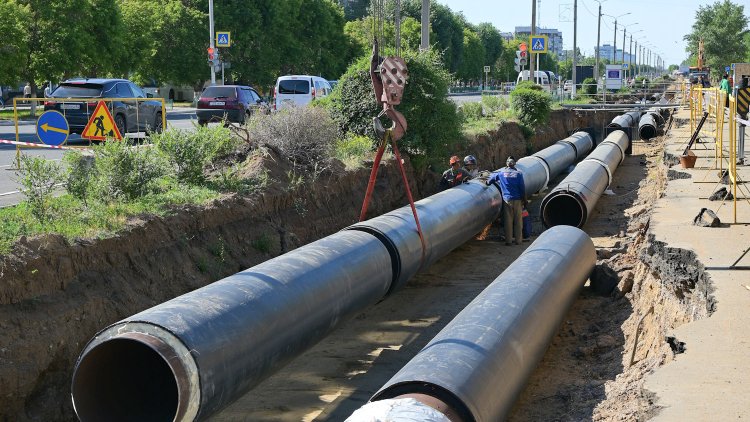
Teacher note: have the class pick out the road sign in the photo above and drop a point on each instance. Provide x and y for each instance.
(625, 66)
(538, 43)
(486, 69)
(52, 128)
(223, 39)
(726, 69)
(732, 67)
(101, 125)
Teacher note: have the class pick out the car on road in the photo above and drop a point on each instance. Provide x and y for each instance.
(136, 114)
(232, 103)
(299, 90)
(168, 91)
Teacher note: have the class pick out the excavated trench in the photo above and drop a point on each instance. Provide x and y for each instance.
(54, 296)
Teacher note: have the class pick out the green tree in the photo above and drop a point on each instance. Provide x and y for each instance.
(722, 26)
(472, 60)
(56, 38)
(165, 40)
(354, 9)
(492, 42)
(13, 47)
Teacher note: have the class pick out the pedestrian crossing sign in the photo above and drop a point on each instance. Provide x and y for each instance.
(101, 125)
(538, 43)
(223, 38)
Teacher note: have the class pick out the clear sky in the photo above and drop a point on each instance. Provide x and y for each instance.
(662, 23)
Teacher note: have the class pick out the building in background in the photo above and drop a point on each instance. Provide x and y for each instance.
(507, 36)
(555, 38)
(605, 52)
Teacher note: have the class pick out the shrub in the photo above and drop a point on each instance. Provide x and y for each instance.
(433, 123)
(529, 85)
(352, 149)
(494, 104)
(126, 171)
(589, 86)
(80, 174)
(305, 135)
(38, 178)
(471, 111)
(189, 152)
(531, 106)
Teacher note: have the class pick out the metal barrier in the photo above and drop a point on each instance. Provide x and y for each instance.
(90, 104)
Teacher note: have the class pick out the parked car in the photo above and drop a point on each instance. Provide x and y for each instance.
(233, 103)
(541, 78)
(169, 91)
(299, 90)
(130, 116)
(568, 86)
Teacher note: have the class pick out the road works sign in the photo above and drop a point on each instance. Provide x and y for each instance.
(539, 43)
(101, 125)
(52, 128)
(223, 39)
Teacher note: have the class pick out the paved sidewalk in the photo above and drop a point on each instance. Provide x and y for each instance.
(710, 381)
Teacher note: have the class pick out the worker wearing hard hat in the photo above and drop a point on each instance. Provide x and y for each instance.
(470, 165)
(455, 175)
(514, 197)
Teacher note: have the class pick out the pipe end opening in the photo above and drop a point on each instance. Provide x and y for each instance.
(563, 209)
(124, 380)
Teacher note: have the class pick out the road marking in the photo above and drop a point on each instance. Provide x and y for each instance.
(9, 193)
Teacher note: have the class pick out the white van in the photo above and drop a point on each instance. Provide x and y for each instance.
(541, 76)
(299, 90)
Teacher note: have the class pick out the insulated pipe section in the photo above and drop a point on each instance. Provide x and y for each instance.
(543, 166)
(573, 200)
(187, 358)
(474, 369)
(647, 127)
(448, 219)
(625, 120)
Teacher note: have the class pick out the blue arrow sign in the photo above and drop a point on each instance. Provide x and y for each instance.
(726, 69)
(625, 65)
(52, 128)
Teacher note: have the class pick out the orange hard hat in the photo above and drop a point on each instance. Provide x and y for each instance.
(455, 159)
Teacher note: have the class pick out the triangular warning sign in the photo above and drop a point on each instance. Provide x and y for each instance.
(101, 125)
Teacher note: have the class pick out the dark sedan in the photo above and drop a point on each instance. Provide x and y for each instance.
(232, 103)
(130, 116)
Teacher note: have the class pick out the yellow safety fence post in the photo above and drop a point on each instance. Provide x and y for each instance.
(692, 109)
(732, 153)
(720, 111)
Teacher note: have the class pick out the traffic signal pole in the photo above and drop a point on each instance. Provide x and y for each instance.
(211, 45)
(532, 59)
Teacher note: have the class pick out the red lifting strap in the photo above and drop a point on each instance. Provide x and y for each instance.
(373, 176)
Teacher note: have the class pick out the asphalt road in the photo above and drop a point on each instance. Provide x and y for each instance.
(181, 118)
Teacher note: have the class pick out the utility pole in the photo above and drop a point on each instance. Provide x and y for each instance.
(532, 56)
(211, 38)
(630, 57)
(614, 47)
(624, 29)
(598, 36)
(575, 45)
(425, 25)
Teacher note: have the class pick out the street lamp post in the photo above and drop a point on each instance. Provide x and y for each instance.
(614, 47)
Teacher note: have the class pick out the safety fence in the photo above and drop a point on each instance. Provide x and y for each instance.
(721, 112)
(93, 118)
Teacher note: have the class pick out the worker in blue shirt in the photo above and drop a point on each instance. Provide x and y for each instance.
(514, 198)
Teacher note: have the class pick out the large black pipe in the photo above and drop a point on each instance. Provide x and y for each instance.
(204, 349)
(538, 169)
(572, 201)
(649, 124)
(626, 120)
(474, 369)
(186, 358)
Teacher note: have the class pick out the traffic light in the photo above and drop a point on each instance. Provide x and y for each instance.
(211, 54)
(521, 56)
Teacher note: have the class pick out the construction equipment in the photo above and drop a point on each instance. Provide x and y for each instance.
(695, 72)
(389, 76)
